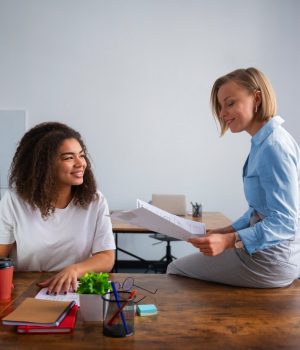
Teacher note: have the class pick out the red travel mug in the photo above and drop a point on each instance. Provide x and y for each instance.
(6, 278)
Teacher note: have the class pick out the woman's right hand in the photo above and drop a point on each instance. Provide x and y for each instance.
(62, 282)
(213, 244)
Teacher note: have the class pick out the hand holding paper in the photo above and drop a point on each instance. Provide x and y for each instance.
(158, 220)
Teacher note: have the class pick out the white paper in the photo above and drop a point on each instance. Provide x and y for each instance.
(158, 220)
(42, 294)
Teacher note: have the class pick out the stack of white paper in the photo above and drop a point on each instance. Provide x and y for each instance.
(158, 220)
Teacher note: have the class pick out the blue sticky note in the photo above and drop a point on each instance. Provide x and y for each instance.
(146, 310)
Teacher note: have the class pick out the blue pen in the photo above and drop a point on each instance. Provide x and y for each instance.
(119, 306)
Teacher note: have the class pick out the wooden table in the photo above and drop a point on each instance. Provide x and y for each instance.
(210, 219)
(192, 314)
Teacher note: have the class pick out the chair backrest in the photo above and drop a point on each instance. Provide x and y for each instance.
(172, 203)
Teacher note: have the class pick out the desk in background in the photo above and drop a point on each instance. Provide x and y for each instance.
(210, 219)
(192, 315)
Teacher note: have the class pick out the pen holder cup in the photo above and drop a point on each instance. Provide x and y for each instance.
(197, 211)
(119, 317)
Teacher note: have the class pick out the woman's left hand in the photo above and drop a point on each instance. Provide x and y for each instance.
(214, 243)
(66, 280)
(62, 282)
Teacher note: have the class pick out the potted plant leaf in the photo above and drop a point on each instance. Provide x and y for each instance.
(92, 286)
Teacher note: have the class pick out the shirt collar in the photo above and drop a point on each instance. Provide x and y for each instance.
(267, 129)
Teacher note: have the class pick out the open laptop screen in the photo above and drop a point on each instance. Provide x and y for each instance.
(172, 203)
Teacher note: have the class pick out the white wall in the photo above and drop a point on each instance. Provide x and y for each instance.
(9, 137)
(134, 77)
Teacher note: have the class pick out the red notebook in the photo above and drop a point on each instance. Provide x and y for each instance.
(66, 325)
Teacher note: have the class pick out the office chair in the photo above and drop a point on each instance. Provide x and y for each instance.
(168, 257)
(174, 204)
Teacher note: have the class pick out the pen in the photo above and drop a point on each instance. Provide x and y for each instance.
(131, 295)
(119, 306)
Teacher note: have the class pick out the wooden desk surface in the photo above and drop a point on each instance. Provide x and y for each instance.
(211, 220)
(191, 315)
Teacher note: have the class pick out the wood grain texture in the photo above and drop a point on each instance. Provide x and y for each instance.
(191, 314)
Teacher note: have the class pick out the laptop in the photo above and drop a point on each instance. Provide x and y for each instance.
(172, 203)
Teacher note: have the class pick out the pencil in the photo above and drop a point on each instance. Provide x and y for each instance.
(119, 306)
(131, 295)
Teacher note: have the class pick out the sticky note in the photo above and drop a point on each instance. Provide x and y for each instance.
(146, 310)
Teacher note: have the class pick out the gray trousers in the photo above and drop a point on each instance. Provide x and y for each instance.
(277, 266)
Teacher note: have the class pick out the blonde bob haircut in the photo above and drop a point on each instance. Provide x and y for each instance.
(253, 80)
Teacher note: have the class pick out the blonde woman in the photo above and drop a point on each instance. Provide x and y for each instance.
(262, 248)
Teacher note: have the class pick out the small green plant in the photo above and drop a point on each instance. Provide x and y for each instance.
(94, 283)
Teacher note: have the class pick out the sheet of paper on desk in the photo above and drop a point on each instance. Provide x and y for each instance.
(157, 220)
(42, 294)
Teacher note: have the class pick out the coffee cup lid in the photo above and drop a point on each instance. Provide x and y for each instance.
(6, 262)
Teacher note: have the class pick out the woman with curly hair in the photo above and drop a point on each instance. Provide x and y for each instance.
(52, 218)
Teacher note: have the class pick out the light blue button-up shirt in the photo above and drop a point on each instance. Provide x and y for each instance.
(271, 177)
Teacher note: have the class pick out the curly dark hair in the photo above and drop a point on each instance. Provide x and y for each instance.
(32, 172)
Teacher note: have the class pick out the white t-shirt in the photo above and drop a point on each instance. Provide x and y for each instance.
(68, 236)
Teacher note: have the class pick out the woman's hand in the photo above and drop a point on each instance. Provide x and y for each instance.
(66, 280)
(214, 243)
(62, 282)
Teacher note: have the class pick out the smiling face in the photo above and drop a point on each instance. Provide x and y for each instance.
(237, 108)
(70, 164)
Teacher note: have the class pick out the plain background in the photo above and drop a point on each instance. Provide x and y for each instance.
(12, 127)
(134, 77)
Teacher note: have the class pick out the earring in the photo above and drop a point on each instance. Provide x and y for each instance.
(255, 108)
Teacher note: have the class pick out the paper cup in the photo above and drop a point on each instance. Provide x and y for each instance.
(6, 278)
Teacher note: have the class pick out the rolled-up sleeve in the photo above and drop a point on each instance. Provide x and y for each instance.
(243, 221)
(278, 192)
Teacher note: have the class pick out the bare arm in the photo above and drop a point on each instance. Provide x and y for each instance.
(66, 279)
(5, 249)
(226, 229)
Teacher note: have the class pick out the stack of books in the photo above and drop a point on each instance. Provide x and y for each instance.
(43, 316)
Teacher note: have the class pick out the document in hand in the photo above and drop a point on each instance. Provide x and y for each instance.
(158, 220)
(66, 325)
(38, 312)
